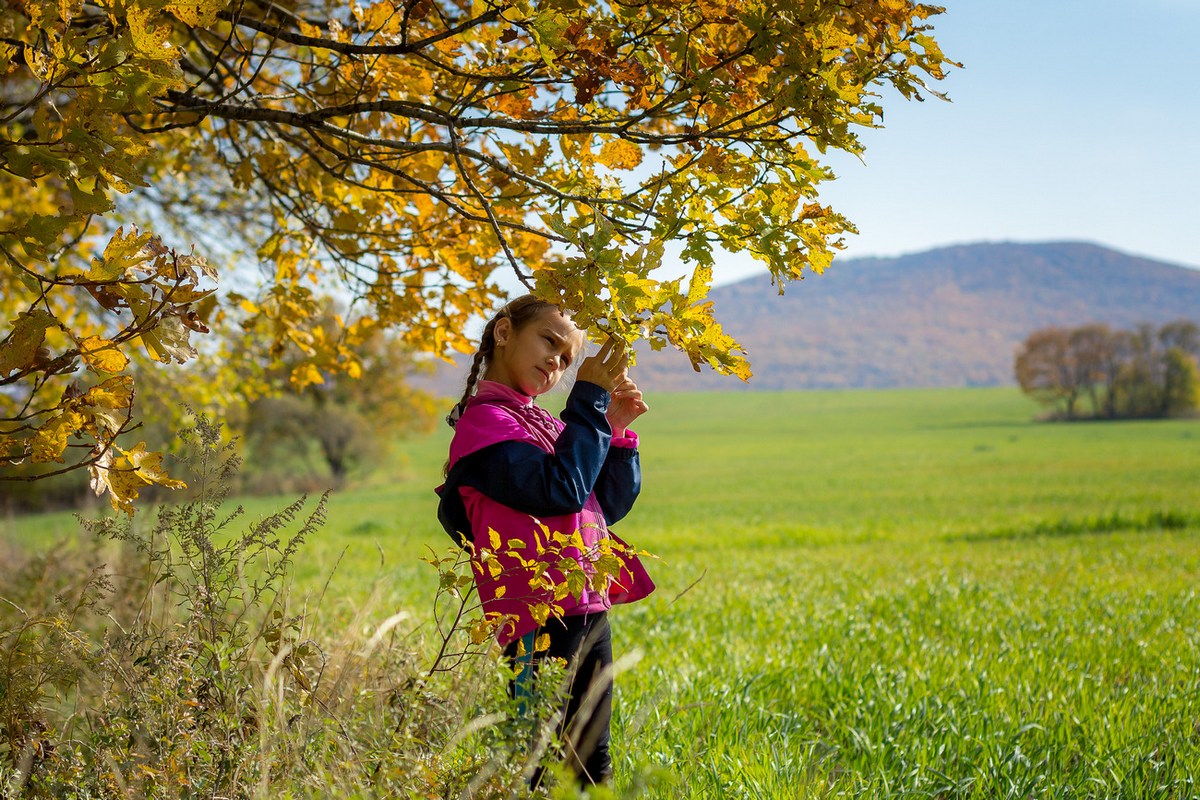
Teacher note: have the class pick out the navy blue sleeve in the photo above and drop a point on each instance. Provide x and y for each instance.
(525, 477)
(619, 483)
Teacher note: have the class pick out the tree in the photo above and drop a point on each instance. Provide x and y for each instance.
(347, 418)
(1141, 384)
(1181, 394)
(405, 154)
(1045, 368)
(1098, 354)
(1113, 358)
(1179, 352)
(1182, 334)
(1091, 353)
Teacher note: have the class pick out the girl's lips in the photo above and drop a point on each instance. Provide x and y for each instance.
(545, 374)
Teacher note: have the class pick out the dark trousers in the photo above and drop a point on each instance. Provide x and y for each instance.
(585, 643)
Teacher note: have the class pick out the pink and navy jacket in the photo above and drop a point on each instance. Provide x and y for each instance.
(515, 468)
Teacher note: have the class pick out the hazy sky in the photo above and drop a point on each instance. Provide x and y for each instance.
(1071, 120)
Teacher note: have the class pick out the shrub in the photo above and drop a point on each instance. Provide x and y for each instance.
(180, 668)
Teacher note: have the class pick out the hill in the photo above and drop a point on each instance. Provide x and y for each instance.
(946, 317)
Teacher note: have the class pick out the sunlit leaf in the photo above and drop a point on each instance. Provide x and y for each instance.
(102, 355)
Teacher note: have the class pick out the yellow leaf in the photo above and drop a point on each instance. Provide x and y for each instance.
(100, 471)
(540, 613)
(13, 449)
(116, 392)
(148, 466)
(701, 280)
(620, 154)
(51, 439)
(107, 399)
(305, 375)
(377, 15)
(21, 346)
(123, 486)
(169, 341)
(198, 14)
(101, 355)
(542, 644)
(123, 252)
(514, 104)
(480, 631)
(494, 538)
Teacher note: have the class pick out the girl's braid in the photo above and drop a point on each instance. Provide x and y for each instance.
(485, 352)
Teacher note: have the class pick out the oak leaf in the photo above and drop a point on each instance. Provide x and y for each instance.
(21, 345)
(620, 154)
(101, 355)
(50, 440)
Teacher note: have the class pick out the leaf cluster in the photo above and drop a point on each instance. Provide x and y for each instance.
(68, 372)
(548, 569)
(410, 156)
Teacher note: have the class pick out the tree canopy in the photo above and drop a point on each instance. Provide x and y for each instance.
(406, 155)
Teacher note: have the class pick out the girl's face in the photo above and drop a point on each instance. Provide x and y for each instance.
(534, 358)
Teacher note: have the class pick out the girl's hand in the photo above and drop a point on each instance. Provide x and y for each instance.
(626, 405)
(606, 369)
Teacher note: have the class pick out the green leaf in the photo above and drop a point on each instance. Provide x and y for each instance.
(90, 203)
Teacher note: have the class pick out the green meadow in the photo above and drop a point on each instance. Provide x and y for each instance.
(864, 593)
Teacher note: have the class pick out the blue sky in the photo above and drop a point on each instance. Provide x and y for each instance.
(1071, 120)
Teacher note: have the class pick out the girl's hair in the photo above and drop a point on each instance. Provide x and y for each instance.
(521, 311)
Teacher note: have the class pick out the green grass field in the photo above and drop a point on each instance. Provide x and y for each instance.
(897, 593)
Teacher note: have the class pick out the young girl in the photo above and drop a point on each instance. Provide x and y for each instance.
(514, 468)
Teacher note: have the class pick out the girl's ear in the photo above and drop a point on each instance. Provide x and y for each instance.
(502, 331)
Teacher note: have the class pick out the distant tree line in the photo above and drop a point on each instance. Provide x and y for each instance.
(1096, 372)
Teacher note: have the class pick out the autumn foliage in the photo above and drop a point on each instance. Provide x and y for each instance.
(405, 156)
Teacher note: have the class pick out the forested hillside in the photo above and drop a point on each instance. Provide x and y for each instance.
(947, 317)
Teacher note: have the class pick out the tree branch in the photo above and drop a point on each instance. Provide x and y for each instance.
(349, 48)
